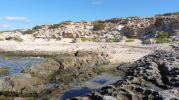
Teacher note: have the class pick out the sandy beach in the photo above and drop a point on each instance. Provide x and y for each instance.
(118, 52)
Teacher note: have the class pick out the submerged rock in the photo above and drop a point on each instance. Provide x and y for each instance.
(154, 77)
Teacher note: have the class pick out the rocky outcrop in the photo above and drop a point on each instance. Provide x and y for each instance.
(132, 27)
(65, 30)
(154, 77)
(145, 28)
(106, 30)
(136, 27)
(33, 82)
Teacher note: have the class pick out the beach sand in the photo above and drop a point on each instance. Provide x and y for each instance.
(118, 52)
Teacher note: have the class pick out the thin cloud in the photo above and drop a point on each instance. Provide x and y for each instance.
(17, 19)
(97, 2)
(4, 26)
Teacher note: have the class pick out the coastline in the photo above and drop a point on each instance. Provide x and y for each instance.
(118, 52)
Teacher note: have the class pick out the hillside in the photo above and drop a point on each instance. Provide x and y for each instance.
(159, 28)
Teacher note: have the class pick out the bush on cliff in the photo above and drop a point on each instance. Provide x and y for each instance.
(54, 26)
(97, 26)
(163, 37)
(158, 22)
(129, 40)
(115, 39)
(36, 27)
(168, 14)
(95, 39)
(66, 22)
(29, 31)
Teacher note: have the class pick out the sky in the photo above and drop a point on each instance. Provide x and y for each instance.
(20, 14)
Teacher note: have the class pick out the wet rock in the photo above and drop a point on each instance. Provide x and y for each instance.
(33, 81)
(154, 77)
(44, 70)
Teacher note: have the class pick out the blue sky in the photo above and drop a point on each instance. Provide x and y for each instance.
(17, 14)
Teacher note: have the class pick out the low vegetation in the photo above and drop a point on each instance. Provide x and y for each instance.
(168, 14)
(66, 22)
(162, 40)
(29, 31)
(115, 39)
(95, 39)
(36, 27)
(129, 40)
(117, 20)
(54, 26)
(98, 26)
(163, 37)
(158, 22)
(58, 38)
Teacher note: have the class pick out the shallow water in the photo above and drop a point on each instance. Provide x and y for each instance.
(16, 64)
(94, 84)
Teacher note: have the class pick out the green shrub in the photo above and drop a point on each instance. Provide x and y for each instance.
(115, 39)
(98, 26)
(176, 13)
(170, 14)
(132, 17)
(29, 31)
(84, 39)
(165, 34)
(95, 39)
(158, 22)
(36, 27)
(163, 37)
(129, 40)
(162, 40)
(66, 22)
(167, 14)
(114, 20)
(85, 22)
(58, 38)
(54, 26)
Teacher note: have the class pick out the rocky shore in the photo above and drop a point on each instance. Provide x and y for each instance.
(145, 50)
(65, 70)
(111, 30)
(153, 77)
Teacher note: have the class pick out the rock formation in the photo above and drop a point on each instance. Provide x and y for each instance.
(106, 30)
(154, 77)
(33, 82)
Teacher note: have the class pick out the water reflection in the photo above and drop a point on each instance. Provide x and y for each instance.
(75, 92)
(16, 64)
(96, 83)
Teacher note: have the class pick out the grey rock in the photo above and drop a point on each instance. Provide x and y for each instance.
(153, 77)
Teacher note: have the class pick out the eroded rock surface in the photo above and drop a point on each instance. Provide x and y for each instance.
(33, 82)
(154, 77)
